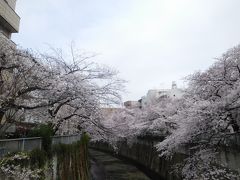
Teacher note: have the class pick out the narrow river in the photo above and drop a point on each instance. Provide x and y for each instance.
(106, 167)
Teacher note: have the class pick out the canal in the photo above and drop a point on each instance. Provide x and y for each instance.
(106, 167)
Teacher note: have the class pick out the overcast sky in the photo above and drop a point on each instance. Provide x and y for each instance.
(150, 42)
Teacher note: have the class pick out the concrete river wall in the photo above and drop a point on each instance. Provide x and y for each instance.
(143, 153)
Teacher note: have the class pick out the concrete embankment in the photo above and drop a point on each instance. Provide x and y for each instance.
(107, 167)
(143, 155)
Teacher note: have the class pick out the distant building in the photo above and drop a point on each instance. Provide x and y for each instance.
(132, 104)
(155, 95)
(107, 113)
(9, 20)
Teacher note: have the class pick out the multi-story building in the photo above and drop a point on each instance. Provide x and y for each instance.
(156, 95)
(9, 20)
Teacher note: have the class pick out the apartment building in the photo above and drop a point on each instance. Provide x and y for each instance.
(9, 19)
(154, 96)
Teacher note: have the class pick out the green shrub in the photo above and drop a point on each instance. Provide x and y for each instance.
(38, 158)
(45, 131)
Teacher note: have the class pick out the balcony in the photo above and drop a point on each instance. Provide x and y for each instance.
(8, 17)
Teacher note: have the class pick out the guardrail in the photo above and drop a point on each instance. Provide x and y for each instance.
(28, 144)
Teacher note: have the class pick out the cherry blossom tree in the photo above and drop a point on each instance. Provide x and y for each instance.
(204, 120)
(153, 120)
(66, 91)
(22, 78)
(209, 118)
(84, 88)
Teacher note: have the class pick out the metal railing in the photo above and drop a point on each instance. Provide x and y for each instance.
(28, 144)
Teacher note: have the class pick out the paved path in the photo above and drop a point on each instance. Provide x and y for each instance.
(111, 168)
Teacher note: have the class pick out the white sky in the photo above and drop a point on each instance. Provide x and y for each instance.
(151, 42)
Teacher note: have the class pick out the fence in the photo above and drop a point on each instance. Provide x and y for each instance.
(28, 144)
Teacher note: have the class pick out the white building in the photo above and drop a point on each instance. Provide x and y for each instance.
(155, 95)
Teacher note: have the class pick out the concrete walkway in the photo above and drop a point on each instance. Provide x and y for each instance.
(110, 168)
